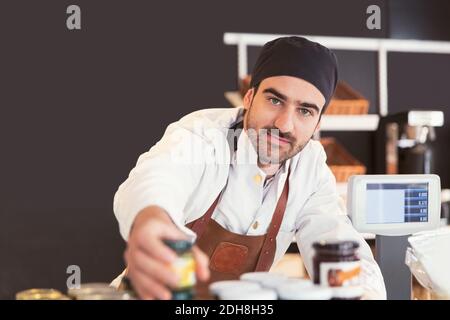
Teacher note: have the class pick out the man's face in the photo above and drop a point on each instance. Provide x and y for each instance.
(282, 117)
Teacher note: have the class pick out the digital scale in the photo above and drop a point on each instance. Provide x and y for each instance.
(393, 207)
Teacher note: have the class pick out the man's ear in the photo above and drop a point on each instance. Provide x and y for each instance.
(318, 127)
(247, 101)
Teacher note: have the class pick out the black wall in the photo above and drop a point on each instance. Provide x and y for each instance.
(77, 108)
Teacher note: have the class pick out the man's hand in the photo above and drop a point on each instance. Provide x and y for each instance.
(148, 258)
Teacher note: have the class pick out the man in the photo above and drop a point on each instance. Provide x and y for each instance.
(256, 181)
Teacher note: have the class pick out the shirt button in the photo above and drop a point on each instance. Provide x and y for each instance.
(255, 225)
(257, 178)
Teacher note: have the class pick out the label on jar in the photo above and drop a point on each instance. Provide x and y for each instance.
(339, 274)
(184, 267)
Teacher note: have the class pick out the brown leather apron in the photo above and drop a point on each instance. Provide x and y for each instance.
(233, 254)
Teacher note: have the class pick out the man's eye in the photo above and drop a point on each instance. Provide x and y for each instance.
(305, 112)
(275, 101)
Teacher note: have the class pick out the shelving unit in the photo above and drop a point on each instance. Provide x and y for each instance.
(367, 122)
(382, 46)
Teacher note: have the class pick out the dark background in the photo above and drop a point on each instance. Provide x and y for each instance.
(79, 107)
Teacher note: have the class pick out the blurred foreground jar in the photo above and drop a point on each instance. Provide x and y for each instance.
(336, 263)
(98, 291)
(41, 294)
(184, 267)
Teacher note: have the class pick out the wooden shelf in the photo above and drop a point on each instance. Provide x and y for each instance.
(364, 122)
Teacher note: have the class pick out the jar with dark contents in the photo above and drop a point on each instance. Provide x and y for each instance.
(336, 263)
(184, 267)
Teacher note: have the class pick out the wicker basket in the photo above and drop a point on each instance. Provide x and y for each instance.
(346, 100)
(341, 162)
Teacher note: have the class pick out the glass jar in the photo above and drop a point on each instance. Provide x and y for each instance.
(336, 263)
(184, 267)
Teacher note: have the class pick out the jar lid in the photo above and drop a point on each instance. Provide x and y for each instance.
(348, 292)
(91, 289)
(260, 277)
(118, 295)
(180, 246)
(298, 283)
(251, 294)
(40, 294)
(336, 245)
(216, 287)
(293, 292)
(273, 283)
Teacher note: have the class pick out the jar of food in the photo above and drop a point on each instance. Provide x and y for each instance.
(336, 263)
(184, 267)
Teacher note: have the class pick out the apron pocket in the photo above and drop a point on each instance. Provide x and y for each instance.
(229, 258)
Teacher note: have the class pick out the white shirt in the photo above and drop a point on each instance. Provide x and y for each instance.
(185, 171)
(244, 202)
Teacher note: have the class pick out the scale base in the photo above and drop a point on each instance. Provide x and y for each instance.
(390, 255)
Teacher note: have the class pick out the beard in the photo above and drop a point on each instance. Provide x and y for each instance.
(270, 152)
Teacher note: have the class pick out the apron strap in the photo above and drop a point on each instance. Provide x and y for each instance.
(267, 254)
(199, 225)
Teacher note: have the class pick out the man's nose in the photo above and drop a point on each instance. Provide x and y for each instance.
(284, 121)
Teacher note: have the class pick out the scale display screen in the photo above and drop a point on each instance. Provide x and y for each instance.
(396, 202)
